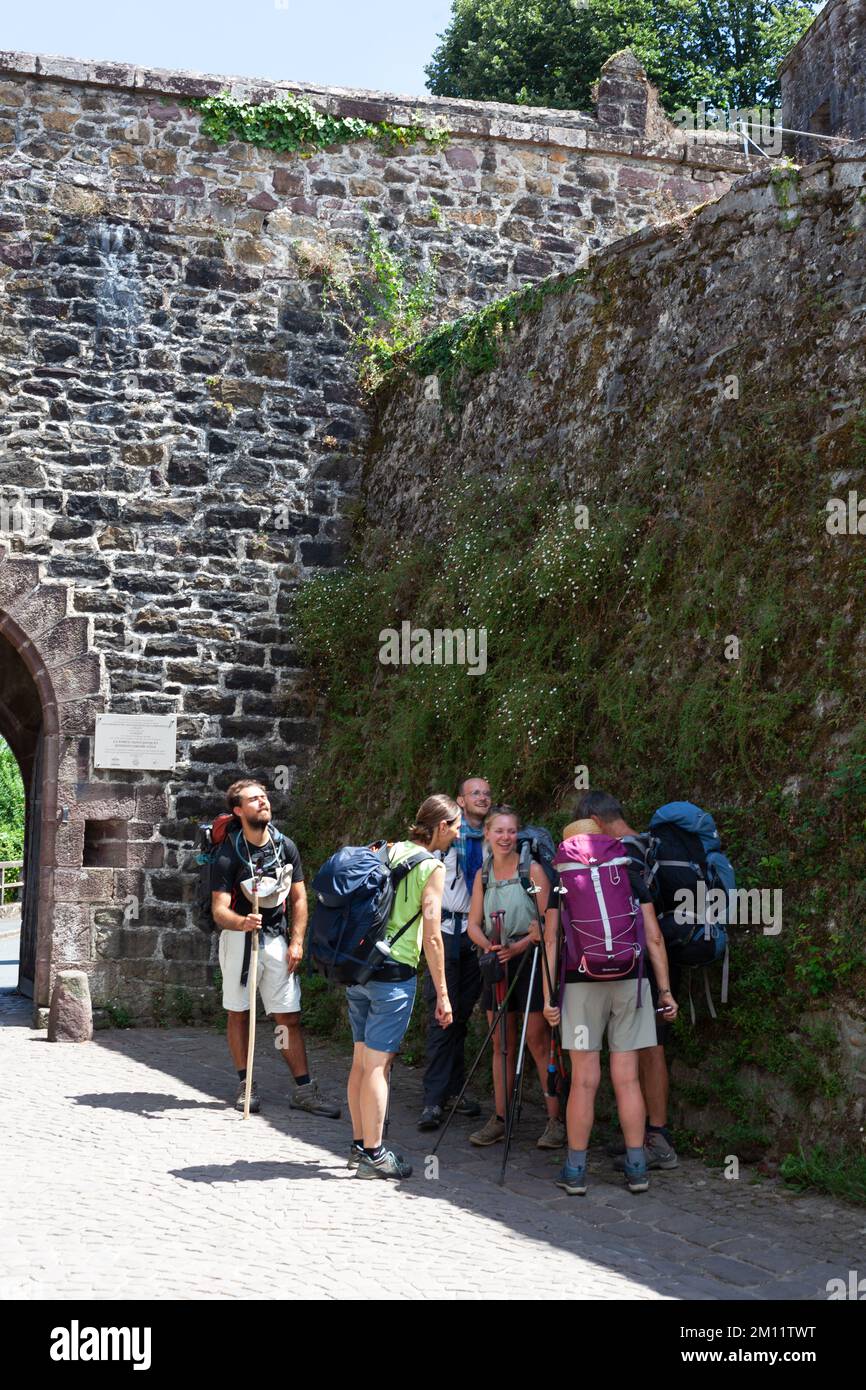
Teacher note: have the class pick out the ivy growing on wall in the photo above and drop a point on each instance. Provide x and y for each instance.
(384, 304)
(293, 124)
(471, 344)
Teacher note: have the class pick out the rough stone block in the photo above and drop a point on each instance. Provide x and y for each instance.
(70, 1017)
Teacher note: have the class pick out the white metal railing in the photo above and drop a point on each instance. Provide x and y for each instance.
(5, 885)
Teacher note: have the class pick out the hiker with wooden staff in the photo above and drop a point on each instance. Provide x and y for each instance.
(259, 903)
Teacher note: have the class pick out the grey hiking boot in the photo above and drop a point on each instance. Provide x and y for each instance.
(255, 1103)
(660, 1152)
(355, 1153)
(390, 1165)
(490, 1133)
(431, 1117)
(553, 1137)
(310, 1098)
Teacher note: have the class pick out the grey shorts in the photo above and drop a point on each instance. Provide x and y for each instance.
(587, 1009)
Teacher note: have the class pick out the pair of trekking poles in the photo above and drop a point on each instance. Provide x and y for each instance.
(503, 993)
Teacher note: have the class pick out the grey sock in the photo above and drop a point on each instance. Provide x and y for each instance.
(636, 1157)
(577, 1158)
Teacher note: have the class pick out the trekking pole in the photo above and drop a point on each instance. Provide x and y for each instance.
(565, 1076)
(497, 924)
(253, 980)
(387, 1123)
(555, 1065)
(514, 1109)
(482, 1049)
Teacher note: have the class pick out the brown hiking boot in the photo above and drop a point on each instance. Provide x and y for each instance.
(492, 1132)
(553, 1137)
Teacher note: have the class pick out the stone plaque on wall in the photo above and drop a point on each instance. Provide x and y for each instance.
(130, 741)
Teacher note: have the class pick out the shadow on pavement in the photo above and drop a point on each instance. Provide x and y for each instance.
(247, 1171)
(144, 1102)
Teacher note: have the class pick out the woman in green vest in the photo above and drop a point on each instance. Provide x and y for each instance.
(504, 893)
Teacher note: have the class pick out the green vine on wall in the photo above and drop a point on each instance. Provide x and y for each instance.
(294, 125)
(384, 306)
(471, 344)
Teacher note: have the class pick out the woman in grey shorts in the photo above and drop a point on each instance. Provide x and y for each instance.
(505, 893)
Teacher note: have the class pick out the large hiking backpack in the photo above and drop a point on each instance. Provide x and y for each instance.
(534, 843)
(684, 863)
(355, 891)
(211, 838)
(603, 931)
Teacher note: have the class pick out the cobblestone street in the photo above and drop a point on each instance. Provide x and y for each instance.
(127, 1175)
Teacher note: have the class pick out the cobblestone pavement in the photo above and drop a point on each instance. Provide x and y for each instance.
(126, 1174)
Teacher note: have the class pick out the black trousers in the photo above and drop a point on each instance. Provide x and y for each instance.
(445, 1071)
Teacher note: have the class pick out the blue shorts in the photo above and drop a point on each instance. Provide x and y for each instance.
(379, 1012)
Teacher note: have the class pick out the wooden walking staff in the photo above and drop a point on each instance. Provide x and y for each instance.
(253, 981)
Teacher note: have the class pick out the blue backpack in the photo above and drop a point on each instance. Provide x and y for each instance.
(355, 891)
(684, 864)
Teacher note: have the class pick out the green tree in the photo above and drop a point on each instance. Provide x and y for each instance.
(549, 52)
(11, 805)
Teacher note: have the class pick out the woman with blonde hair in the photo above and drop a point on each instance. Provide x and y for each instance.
(504, 893)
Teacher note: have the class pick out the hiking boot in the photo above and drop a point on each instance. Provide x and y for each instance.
(572, 1180)
(553, 1136)
(431, 1117)
(390, 1165)
(636, 1179)
(356, 1153)
(310, 1098)
(255, 1103)
(660, 1152)
(491, 1133)
(468, 1106)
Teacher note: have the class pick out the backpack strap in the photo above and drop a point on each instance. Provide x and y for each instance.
(524, 864)
(277, 843)
(486, 865)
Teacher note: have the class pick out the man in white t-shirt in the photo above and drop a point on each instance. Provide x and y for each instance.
(445, 1070)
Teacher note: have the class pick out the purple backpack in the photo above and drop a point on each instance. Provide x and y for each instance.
(602, 920)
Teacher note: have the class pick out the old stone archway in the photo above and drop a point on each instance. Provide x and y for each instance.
(42, 649)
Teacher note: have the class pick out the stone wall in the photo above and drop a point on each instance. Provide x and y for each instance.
(824, 79)
(701, 394)
(640, 350)
(182, 423)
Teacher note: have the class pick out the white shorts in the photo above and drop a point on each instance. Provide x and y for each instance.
(280, 991)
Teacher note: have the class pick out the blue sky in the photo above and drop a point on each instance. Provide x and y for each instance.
(379, 44)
